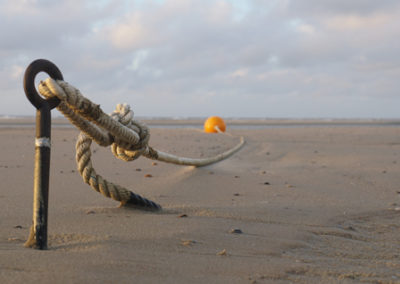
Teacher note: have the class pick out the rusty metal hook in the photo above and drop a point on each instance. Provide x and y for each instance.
(38, 234)
(37, 66)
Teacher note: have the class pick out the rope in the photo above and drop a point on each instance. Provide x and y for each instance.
(127, 137)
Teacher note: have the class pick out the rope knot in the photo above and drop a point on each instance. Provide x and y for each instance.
(122, 149)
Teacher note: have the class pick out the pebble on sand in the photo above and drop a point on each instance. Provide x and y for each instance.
(188, 243)
(236, 231)
(222, 252)
(148, 175)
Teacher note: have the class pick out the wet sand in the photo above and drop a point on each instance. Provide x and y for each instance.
(309, 205)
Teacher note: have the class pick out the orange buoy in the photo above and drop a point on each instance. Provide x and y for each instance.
(214, 124)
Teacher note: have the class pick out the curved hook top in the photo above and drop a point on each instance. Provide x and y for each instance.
(37, 66)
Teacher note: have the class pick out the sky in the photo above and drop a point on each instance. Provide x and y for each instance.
(196, 58)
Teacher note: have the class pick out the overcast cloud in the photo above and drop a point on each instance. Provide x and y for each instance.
(277, 58)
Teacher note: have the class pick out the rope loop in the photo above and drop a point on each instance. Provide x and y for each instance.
(128, 137)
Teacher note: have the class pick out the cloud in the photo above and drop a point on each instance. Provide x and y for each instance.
(315, 8)
(196, 58)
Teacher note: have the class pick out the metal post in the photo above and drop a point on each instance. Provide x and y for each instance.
(38, 234)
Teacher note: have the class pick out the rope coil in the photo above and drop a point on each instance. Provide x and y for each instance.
(127, 137)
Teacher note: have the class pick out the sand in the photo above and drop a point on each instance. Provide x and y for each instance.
(309, 205)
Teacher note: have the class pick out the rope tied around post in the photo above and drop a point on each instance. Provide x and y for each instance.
(127, 137)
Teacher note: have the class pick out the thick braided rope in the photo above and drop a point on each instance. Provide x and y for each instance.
(128, 139)
(108, 189)
(89, 132)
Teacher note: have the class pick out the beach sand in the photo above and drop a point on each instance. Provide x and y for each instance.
(313, 205)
